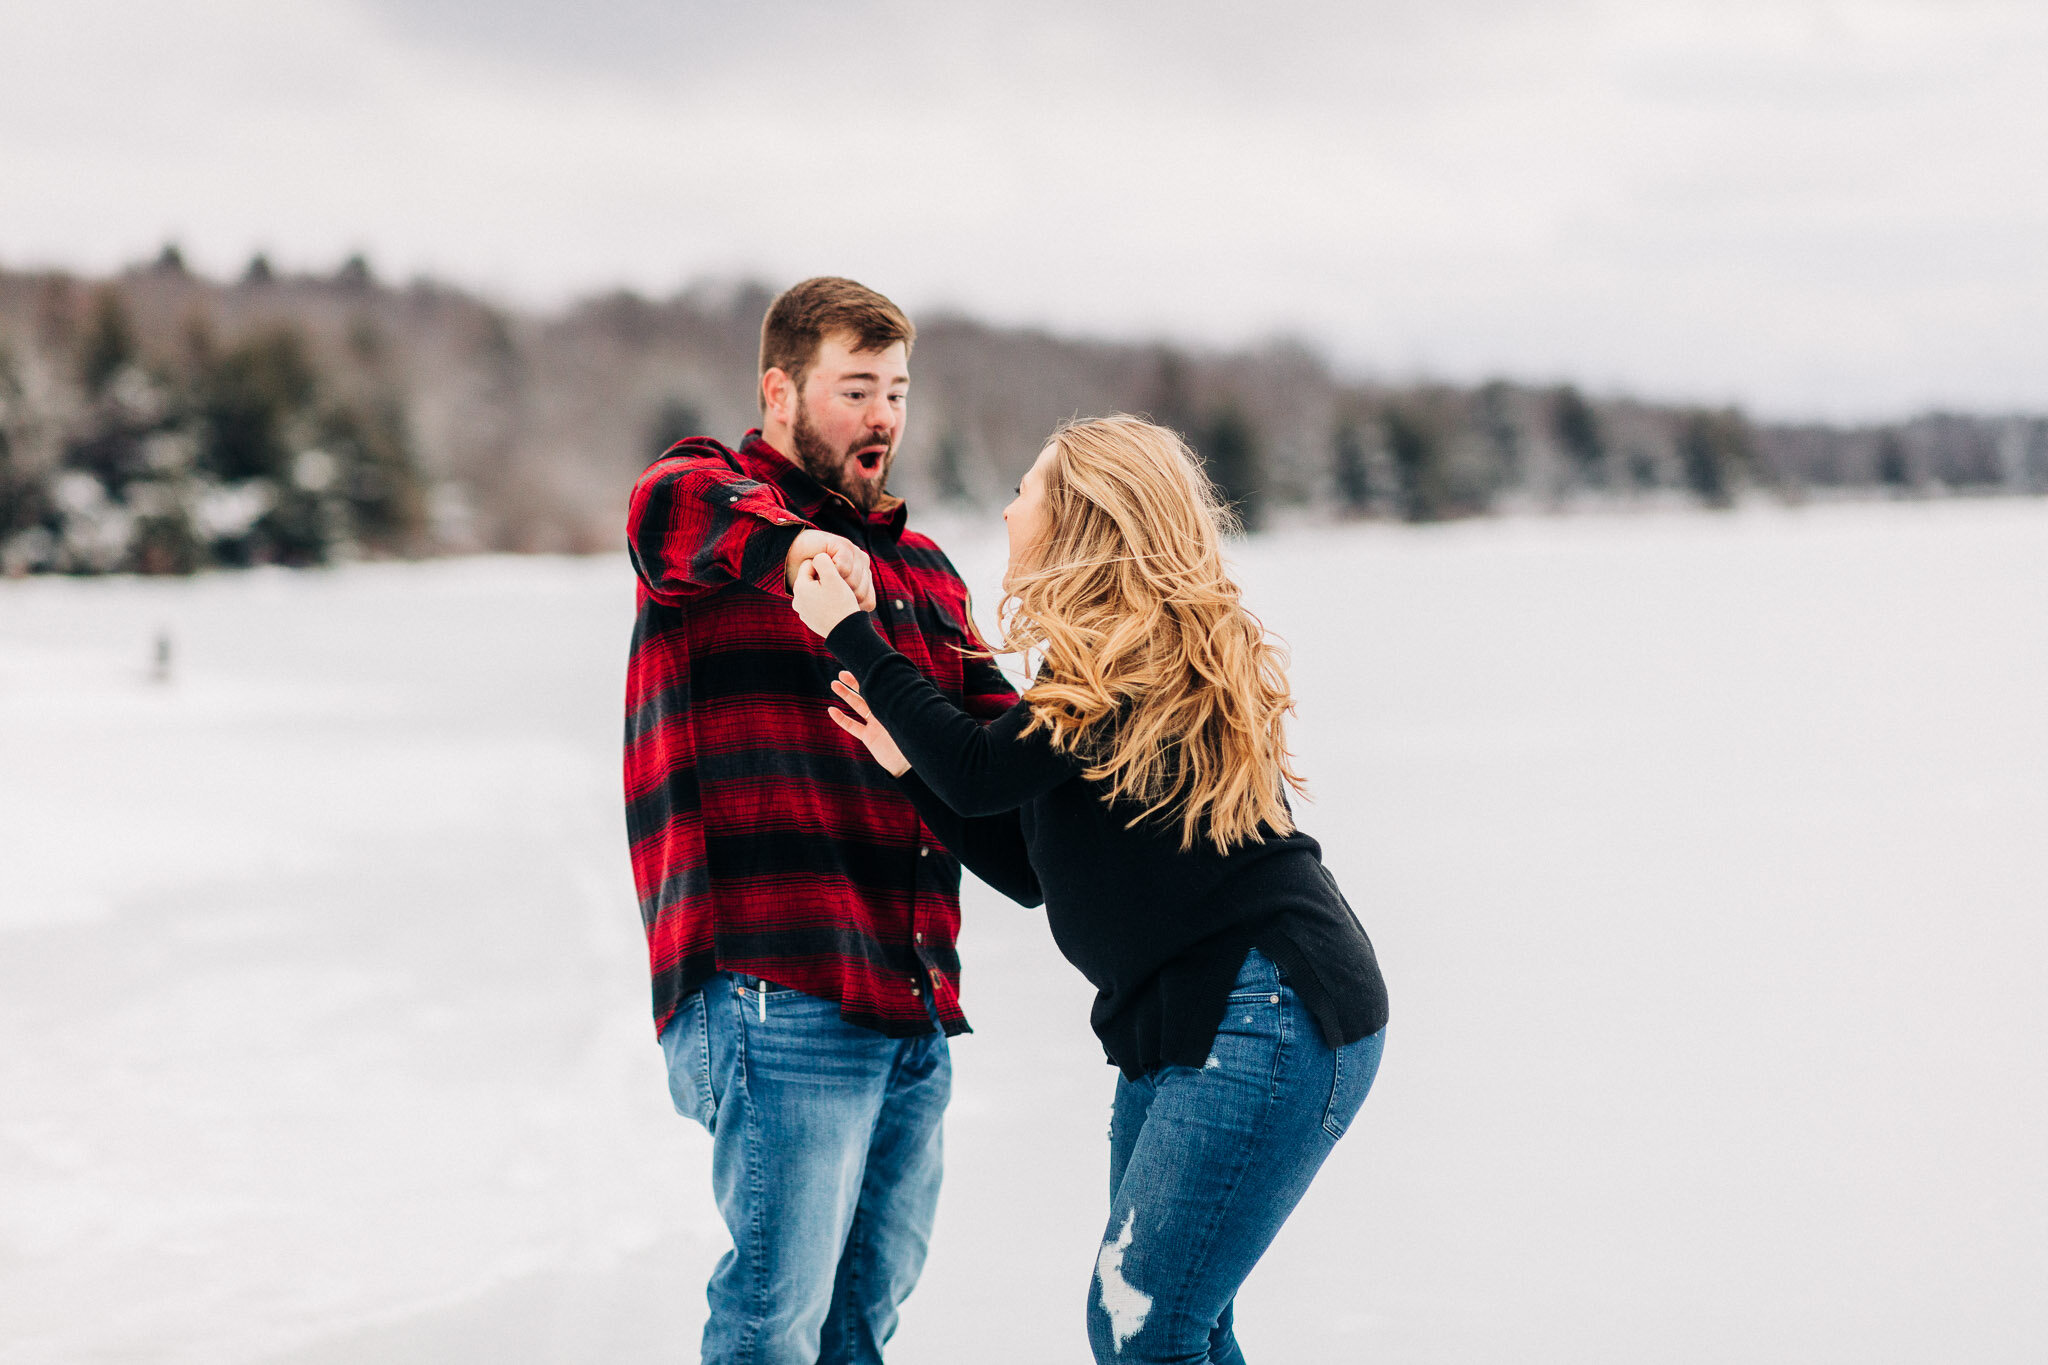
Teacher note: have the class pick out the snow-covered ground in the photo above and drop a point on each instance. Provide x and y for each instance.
(1707, 858)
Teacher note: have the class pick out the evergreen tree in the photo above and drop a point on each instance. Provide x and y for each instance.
(367, 341)
(949, 475)
(1354, 476)
(1172, 403)
(1713, 449)
(166, 543)
(1417, 445)
(249, 396)
(111, 450)
(355, 274)
(298, 531)
(1229, 450)
(24, 499)
(109, 345)
(1894, 470)
(2034, 463)
(1642, 467)
(677, 419)
(378, 478)
(1503, 436)
(109, 445)
(1577, 428)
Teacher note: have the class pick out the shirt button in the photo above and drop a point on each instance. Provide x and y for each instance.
(732, 499)
(924, 853)
(898, 604)
(918, 937)
(1276, 999)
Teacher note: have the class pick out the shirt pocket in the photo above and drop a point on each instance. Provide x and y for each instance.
(941, 636)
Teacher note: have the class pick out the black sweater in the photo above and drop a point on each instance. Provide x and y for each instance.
(1160, 931)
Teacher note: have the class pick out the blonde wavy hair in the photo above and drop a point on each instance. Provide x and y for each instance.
(1152, 669)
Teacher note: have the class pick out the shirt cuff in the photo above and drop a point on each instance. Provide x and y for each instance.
(855, 644)
(767, 556)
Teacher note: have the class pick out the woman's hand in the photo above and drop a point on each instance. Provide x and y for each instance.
(867, 729)
(821, 596)
(853, 563)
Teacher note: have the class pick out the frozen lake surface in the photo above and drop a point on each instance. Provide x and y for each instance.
(1707, 858)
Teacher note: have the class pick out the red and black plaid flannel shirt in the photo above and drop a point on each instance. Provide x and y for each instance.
(764, 838)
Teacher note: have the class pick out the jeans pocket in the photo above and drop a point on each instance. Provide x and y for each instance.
(686, 1043)
(1352, 1071)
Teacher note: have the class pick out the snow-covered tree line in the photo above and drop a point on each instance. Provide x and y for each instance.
(161, 422)
(119, 452)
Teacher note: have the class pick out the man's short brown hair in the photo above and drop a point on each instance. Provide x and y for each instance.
(803, 315)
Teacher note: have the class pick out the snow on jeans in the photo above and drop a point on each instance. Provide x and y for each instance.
(1206, 1163)
(825, 1160)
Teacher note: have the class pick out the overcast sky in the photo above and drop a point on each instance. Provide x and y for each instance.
(1831, 209)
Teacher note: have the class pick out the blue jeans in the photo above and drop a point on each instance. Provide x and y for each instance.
(1206, 1163)
(825, 1158)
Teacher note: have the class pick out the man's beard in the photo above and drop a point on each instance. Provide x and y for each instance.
(834, 468)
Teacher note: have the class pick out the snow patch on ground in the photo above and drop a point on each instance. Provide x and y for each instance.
(1704, 856)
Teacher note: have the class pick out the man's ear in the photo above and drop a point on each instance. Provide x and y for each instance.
(778, 397)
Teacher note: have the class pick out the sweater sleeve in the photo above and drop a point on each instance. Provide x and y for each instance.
(989, 846)
(976, 769)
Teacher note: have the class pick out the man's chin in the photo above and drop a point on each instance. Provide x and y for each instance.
(863, 490)
(846, 478)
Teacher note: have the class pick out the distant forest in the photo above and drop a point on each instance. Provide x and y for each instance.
(162, 422)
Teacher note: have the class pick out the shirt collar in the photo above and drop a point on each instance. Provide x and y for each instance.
(806, 496)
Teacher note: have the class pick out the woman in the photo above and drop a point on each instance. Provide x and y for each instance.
(1138, 790)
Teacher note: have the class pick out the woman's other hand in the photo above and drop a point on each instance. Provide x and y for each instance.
(821, 596)
(867, 729)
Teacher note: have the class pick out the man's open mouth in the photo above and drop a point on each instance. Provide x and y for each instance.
(871, 459)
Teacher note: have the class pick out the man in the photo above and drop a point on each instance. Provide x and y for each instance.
(800, 920)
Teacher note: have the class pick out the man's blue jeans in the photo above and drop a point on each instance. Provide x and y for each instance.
(1206, 1163)
(825, 1159)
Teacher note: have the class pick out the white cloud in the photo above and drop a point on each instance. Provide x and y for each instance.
(1829, 208)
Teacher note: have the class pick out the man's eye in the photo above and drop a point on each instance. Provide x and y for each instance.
(855, 395)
